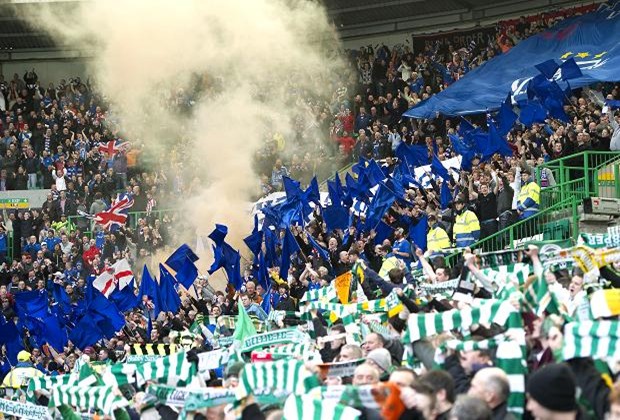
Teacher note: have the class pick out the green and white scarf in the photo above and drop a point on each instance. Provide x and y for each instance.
(283, 375)
(308, 407)
(173, 370)
(596, 339)
(103, 398)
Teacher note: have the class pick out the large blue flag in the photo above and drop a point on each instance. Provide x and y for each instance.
(415, 155)
(589, 39)
(182, 261)
(106, 315)
(148, 286)
(32, 303)
(85, 333)
(322, 252)
(10, 338)
(125, 299)
(380, 204)
(417, 232)
(289, 247)
(225, 257)
(169, 300)
(446, 195)
(438, 169)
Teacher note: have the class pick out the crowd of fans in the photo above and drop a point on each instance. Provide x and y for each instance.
(58, 138)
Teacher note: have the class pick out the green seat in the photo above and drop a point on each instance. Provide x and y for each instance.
(556, 230)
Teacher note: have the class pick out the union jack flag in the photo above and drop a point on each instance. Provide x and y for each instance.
(115, 216)
(112, 147)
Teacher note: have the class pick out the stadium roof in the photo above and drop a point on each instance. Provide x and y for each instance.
(360, 18)
(353, 18)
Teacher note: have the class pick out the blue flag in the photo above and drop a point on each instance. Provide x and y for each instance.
(107, 316)
(531, 112)
(32, 303)
(380, 204)
(169, 300)
(10, 338)
(219, 234)
(438, 169)
(570, 69)
(612, 103)
(446, 195)
(506, 117)
(588, 39)
(262, 274)
(418, 231)
(312, 193)
(336, 217)
(548, 68)
(289, 247)
(178, 258)
(148, 286)
(85, 333)
(384, 231)
(125, 298)
(414, 155)
(254, 241)
(182, 261)
(225, 257)
(319, 250)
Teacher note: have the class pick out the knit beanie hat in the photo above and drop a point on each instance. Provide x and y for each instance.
(381, 357)
(554, 387)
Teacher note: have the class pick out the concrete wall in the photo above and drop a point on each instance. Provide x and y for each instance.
(51, 66)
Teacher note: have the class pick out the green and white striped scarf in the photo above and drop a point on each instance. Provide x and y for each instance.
(173, 370)
(510, 357)
(282, 375)
(502, 274)
(425, 325)
(325, 294)
(308, 407)
(103, 398)
(596, 339)
(47, 383)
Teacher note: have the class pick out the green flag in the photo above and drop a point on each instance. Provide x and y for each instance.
(244, 327)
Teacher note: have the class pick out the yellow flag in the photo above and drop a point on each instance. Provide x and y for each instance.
(342, 284)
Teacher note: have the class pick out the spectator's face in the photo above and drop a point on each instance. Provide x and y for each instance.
(575, 286)
(538, 411)
(365, 374)
(250, 287)
(245, 301)
(372, 342)
(442, 275)
(347, 354)
(402, 379)
(614, 412)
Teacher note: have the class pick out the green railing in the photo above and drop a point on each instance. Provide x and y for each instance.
(548, 224)
(134, 217)
(582, 175)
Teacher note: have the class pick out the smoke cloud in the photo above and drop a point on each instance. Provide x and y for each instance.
(256, 62)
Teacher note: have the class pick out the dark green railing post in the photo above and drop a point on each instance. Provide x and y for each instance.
(575, 219)
(511, 237)
(586, 169)
(617, 180)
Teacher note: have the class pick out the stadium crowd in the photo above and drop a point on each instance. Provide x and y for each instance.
(62, 138)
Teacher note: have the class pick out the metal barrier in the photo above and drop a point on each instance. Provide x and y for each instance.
(582, 175)
(548, 224)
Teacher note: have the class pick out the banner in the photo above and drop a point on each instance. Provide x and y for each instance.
(599, 240)
(342, 369)
(458, 38)
(24, 410)
(142, 358)
(585, 38)
(274, 337)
